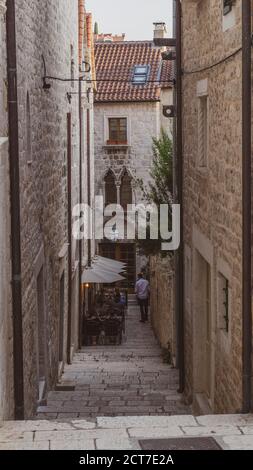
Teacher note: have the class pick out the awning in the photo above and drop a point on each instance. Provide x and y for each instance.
(109, 265)
(109, 262)
(96, 275)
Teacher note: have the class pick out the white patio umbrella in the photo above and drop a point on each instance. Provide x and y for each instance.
(107, 266)
(109, 262)
(95, 275)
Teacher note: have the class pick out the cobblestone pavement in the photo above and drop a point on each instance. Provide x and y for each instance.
(126, 380)
(123, 433)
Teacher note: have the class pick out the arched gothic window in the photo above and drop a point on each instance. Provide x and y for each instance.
(126, 194)
(110, 189)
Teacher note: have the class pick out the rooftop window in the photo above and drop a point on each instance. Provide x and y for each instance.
(140, 74)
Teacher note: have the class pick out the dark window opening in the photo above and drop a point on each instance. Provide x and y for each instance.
(110, 189)
(126, 191)
(117, 131)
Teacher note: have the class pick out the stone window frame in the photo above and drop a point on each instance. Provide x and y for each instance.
(108, 116)
(202, 160)
(225, 336)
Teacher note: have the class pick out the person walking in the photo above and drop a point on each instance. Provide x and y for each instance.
(142, 292)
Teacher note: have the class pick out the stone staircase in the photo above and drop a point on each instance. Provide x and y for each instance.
(126, 380)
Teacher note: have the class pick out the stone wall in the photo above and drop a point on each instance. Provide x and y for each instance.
(162, 283)
(49, 28)
(212, 203)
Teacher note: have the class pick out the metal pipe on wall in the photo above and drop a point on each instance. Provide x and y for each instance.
(69, 159)
(88, 173)
(246, 196)
(179, 199)
(18, 368)
(80, 300)
(81, 15)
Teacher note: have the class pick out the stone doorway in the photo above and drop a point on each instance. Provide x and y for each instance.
(202, 330)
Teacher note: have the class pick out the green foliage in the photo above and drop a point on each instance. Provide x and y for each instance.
(160, 189)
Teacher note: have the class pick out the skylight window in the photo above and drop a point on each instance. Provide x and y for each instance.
(140, 75)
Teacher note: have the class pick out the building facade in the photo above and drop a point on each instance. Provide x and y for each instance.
(212, 199)
(48, 137)
(132, 85)
(55, 82)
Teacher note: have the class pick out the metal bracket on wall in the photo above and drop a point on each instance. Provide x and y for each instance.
(165, 42)
(45, 78)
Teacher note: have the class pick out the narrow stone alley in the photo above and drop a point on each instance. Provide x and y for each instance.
(123, 398)
(126, 380)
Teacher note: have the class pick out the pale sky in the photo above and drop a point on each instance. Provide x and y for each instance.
(133, 17)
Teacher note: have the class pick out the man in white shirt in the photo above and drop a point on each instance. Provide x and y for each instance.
(142, 292)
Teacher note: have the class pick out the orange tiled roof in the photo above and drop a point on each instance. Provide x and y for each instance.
(114, 70)
(167, 73)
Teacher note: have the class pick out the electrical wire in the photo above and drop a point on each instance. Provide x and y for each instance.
(104, 80)
(208, 67)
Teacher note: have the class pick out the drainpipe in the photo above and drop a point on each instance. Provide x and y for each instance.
(246, 178)
(15, 213)
(90, 292)
(88, 173)
(81, 15)
(179, 192)
(80, 202)
(69, 152)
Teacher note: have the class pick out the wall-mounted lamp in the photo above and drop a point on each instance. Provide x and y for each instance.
(169, 111)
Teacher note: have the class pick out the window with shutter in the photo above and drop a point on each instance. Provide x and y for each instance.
(117, 131)
(223, 302)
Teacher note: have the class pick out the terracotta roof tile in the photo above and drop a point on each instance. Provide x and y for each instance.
(114, 70)
(167, 73)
